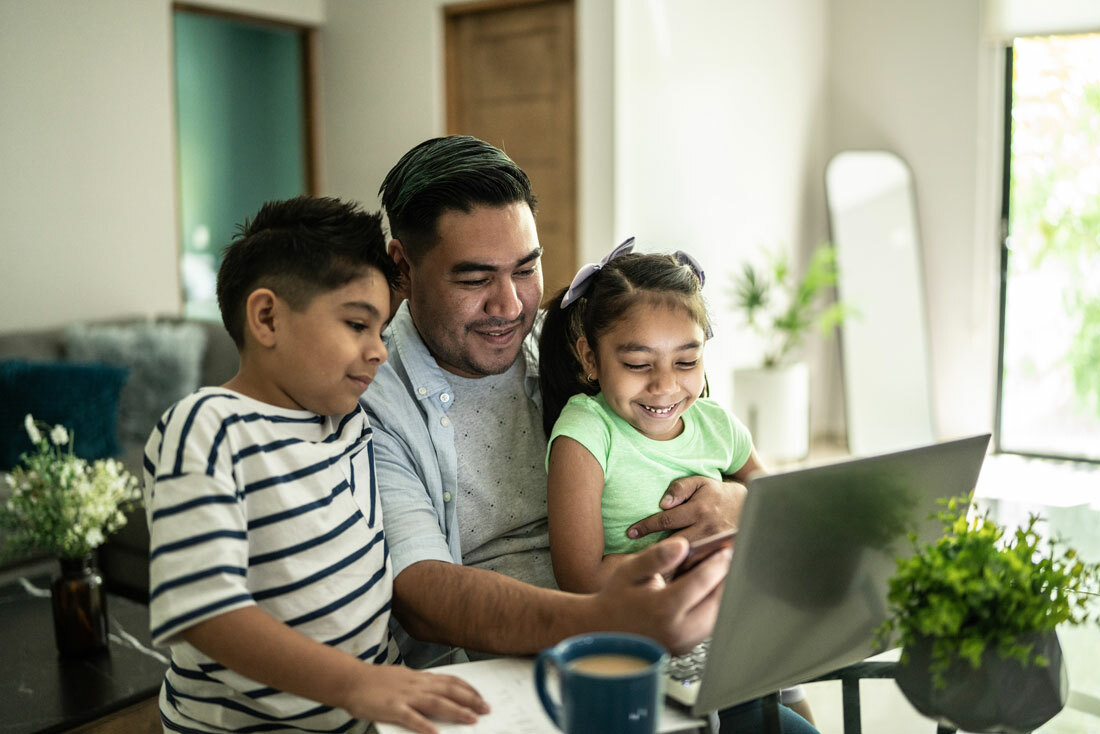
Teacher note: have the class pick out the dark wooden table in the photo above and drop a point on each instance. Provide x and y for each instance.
(41, 693)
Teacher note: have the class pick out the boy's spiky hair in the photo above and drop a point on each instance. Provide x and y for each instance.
(299, 248)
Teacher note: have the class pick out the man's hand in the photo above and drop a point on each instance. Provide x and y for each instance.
(697, 507)
(680, 613)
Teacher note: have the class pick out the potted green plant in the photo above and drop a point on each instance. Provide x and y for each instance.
(65, 506)
(977, 613)
(773, 399)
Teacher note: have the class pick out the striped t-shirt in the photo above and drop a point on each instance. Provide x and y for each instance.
(250, 504)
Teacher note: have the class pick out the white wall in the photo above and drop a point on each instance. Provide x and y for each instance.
(382, 72)
(383, 90)
(731, 93)
(88, 201)
(907, 77)
(88, 223)
(87, 212)
(719, 136)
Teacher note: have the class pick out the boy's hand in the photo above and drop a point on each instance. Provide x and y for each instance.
(253, 643)
(400, 695)
(696, 506)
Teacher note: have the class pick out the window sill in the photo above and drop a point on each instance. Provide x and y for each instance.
(1040, 482)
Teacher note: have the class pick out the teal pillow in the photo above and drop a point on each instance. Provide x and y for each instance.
(83, 397)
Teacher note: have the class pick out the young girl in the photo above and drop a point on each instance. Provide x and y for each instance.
(624, 409)
(621, 371)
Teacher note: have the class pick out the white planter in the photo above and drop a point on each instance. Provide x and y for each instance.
(774, 404)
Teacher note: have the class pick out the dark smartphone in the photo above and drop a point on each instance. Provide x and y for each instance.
(702, 548)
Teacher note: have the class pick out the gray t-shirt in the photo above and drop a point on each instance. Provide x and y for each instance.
(501, 476)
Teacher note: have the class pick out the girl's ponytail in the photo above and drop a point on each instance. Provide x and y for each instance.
(561, 374)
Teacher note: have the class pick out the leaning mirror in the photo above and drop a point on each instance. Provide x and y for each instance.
(884, 345)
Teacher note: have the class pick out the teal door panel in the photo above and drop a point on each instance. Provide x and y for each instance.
(241, 111)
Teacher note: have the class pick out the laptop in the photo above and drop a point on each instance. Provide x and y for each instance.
(814, 552)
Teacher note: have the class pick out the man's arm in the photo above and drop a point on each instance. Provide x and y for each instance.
(490, 612)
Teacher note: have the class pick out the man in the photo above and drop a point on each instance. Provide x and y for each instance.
(459, 441)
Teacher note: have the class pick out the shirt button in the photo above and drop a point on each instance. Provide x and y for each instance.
(422, 390)
(446, 496)
(445, 397)
(445, 421)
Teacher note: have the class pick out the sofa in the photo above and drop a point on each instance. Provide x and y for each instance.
(111, 376)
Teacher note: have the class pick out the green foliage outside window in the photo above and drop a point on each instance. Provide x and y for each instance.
(1055, 188)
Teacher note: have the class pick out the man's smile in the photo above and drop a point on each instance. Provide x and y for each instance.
(498, 335)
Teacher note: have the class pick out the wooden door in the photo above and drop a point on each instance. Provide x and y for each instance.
(511, 80)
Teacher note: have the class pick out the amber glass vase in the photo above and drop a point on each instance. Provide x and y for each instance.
(79, 608)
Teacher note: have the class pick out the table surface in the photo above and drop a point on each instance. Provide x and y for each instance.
(508, 685)
(40, 692)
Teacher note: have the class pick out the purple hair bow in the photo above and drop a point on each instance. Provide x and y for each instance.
(583, 279)
(686, 259)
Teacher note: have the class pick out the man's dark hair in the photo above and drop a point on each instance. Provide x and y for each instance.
(299, 248)
(452, 173)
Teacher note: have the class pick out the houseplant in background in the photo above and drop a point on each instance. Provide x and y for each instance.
(65, 506)
(977, 615)
(774, 399)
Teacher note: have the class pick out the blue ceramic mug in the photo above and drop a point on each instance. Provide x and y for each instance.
(610, 682)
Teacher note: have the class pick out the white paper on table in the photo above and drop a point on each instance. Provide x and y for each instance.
(508, 686)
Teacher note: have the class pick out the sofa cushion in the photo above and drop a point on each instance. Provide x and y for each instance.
(81, 396)
(165, 362)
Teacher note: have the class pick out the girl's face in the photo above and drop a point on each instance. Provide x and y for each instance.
(650, 367)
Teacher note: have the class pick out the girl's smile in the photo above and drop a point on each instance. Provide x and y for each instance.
(650, 367)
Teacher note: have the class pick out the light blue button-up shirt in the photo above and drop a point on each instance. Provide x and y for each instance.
(414, 444)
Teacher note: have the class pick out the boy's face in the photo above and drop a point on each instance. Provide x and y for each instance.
(650, 367)
(474, 295)
(327, 354)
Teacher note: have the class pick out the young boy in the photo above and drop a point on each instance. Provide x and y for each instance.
(269, 573)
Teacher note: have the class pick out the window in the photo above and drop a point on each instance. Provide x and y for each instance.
(1049, 386)
(243, 138)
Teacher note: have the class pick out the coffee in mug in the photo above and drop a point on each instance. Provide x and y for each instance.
(609, 664)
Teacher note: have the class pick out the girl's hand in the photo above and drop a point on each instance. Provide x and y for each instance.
(400, 695)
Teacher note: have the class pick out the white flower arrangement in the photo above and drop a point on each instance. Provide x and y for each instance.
(61, 504)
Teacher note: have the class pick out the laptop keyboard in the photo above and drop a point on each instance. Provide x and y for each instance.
(688, 668)
(685, 672)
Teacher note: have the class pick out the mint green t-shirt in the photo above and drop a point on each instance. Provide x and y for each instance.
(637, 469)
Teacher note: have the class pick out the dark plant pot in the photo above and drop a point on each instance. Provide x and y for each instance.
(79, 609)
(1001, 695)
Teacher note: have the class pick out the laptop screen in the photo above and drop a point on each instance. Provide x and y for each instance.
(815, 550)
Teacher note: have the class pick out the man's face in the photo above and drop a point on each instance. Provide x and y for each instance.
(474, 295)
